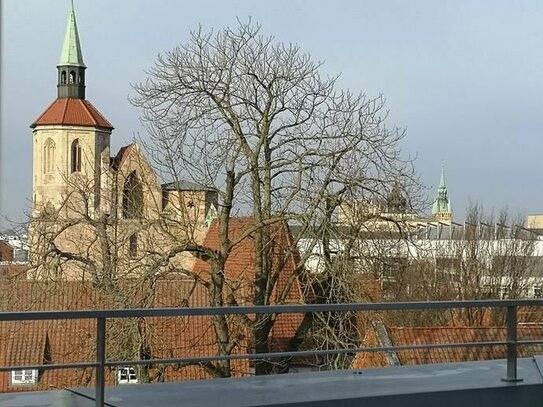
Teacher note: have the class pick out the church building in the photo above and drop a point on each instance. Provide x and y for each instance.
(78, 184)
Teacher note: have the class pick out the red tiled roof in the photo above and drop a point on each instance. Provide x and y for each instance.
(443, 335)
(120, 157)
(72, 112)
(434, 335)
(72, 341)
(25, 342)
(240, 273)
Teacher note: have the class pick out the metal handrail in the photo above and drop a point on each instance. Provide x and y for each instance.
(102, 315)
(263, 309)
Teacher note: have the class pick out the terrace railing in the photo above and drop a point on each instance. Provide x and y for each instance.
(101, 316)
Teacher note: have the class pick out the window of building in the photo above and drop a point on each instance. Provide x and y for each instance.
(63, 77)
(447, 269)
(76, 156)
(132, 197)
(538, 291)
(49, 156)
(24, 377)
(126, 375)
(504, 292)
(133, 245)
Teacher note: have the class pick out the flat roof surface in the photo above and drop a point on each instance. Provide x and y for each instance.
(298, 388)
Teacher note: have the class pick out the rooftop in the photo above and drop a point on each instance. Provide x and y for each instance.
(469, 384)
(72, 112)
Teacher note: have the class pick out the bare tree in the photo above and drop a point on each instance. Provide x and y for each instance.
(487, 257)
(256, 120)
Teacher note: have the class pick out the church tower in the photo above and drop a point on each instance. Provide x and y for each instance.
(441, 209)
(71, 139)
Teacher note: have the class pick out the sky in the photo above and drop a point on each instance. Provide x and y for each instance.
(464, 78)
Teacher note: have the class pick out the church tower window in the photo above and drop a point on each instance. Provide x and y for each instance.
(63, 78)
(132, 197)
(49, 156)
(133, 245)
(76, 156)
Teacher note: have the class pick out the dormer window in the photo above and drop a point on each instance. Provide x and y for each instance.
(76, 156)
(24, 377)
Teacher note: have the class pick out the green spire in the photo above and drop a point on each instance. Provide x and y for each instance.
(442, 204)
(71, 50)
(442, 180)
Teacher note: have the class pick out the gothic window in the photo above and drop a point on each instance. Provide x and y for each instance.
(76, 156)
(49, 156)
(132, 197)
(133, 245)
(72, 77)
(63, 78)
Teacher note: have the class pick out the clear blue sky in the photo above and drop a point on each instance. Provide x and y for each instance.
(464, 77)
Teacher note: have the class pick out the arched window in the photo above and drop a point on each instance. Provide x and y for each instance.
(63, 78)
(133, 245)
(80, 78)
(132, 197)
(76, 156)
(72, 77)
(49, 156)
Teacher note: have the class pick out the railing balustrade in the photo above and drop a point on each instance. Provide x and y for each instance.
(101, 317)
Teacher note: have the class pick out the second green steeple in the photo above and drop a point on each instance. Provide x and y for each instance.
(441, 209)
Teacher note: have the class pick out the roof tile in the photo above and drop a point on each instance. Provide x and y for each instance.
(72, 112)
(405, 336)
(240, 272)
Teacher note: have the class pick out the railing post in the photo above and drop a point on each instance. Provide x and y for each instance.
(100, 360)
(512, 345)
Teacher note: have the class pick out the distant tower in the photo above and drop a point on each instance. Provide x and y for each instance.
(441, 209)
(396, 202)
(71, 138)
